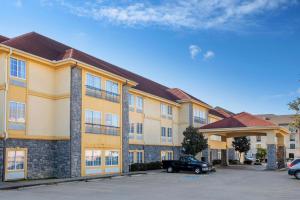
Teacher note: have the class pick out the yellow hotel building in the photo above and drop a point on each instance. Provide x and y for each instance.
(64, 113)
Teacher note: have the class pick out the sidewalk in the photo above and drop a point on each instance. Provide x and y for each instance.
(31, 183)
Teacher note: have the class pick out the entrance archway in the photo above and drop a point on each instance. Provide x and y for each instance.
(245, 124)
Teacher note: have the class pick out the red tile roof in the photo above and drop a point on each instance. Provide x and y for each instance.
(219, 113)
(239, 120)
(182, 95)
(47, 48)
(3, 38)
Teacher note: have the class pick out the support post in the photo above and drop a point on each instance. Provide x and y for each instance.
(125, 129)
(281, 152)
(224, 153)
(271, 150)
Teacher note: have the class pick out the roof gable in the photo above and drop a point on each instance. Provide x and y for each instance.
(239, 120)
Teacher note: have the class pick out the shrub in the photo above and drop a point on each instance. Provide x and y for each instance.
(234, 162)
(216, 162)
(145, 166)
(248, 162)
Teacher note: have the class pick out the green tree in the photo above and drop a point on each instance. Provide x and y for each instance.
(261, 153)
(241, 144)
(295, 106)
(193, 142)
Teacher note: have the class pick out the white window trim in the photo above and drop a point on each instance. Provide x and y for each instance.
(16, 77)
(24, 112)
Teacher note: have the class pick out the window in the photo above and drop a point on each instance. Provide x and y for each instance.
(163, 131)
(258, 146)
(16, 112)
(292, 146)
(112, 87)
(131, 157)
(93, 158)
(92, 117)
(291, 156)
(292, 137)
(139, 104)
(166, 155)
(111, 158)
(139, 157)
(131, 131)
(216, 137)
(112, 120)
(199, 116)
(15, 160)
(258, 138)
(93, 82)
(170, 135)
(139, 128)
(17, 68)
(163, 110)
(131, 102)
(170, 110)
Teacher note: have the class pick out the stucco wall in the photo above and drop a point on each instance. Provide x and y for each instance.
(1, 111)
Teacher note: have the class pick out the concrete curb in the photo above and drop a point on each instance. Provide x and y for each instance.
(32, 183)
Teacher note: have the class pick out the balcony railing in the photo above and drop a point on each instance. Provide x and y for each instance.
(102, 94)
(199, 120)
(102, 129)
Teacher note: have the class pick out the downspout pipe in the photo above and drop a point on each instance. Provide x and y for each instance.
(5, 112)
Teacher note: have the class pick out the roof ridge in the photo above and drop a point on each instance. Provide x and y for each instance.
(19, 36)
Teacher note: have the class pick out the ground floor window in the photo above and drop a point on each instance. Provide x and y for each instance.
(16, 163)
(291, 156)
(111, 158)
(136, 156)
(93, 158)
(166, 155)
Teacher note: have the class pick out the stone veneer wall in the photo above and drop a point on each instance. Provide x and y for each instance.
(125, 129)
(75, 118)
(1, 160)
(271, 156)
(45, 159)
(152, 153)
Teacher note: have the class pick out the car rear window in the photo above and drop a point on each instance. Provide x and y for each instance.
(295, 162)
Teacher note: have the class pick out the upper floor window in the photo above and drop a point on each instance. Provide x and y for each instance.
(170, 111)
(112, 87)
(16, 112)
(131, 101)
(292, 146)
(139, 104)
(17, 68)
(92, 117)
(139, 128)
(170, 135)
(163, 110)
(112, 120)
(199, 116)
(93, 82)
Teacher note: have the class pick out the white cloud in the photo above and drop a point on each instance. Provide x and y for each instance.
(208, 55)
(194, 50)
(195, 14)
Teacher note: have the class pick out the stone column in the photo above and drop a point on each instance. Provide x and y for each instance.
(224, 153)
(281, 152)
(1, 160)
(125, 130)
(75, 121)
(206, 154)
(271, 151)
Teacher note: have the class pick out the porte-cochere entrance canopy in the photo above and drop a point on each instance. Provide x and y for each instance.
(245, 124)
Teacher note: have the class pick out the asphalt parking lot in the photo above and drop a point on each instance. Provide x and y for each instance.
(224, 184)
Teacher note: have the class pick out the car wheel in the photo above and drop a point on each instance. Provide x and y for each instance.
(197, 170)
(170, 169)
(297, 175)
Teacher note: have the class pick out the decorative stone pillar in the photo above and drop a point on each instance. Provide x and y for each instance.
(271, 151)
(125, 129)
(206, 154)
(1, 160)
(75, 121)
(224, 153)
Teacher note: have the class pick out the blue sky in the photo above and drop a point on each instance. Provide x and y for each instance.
(240, 55)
